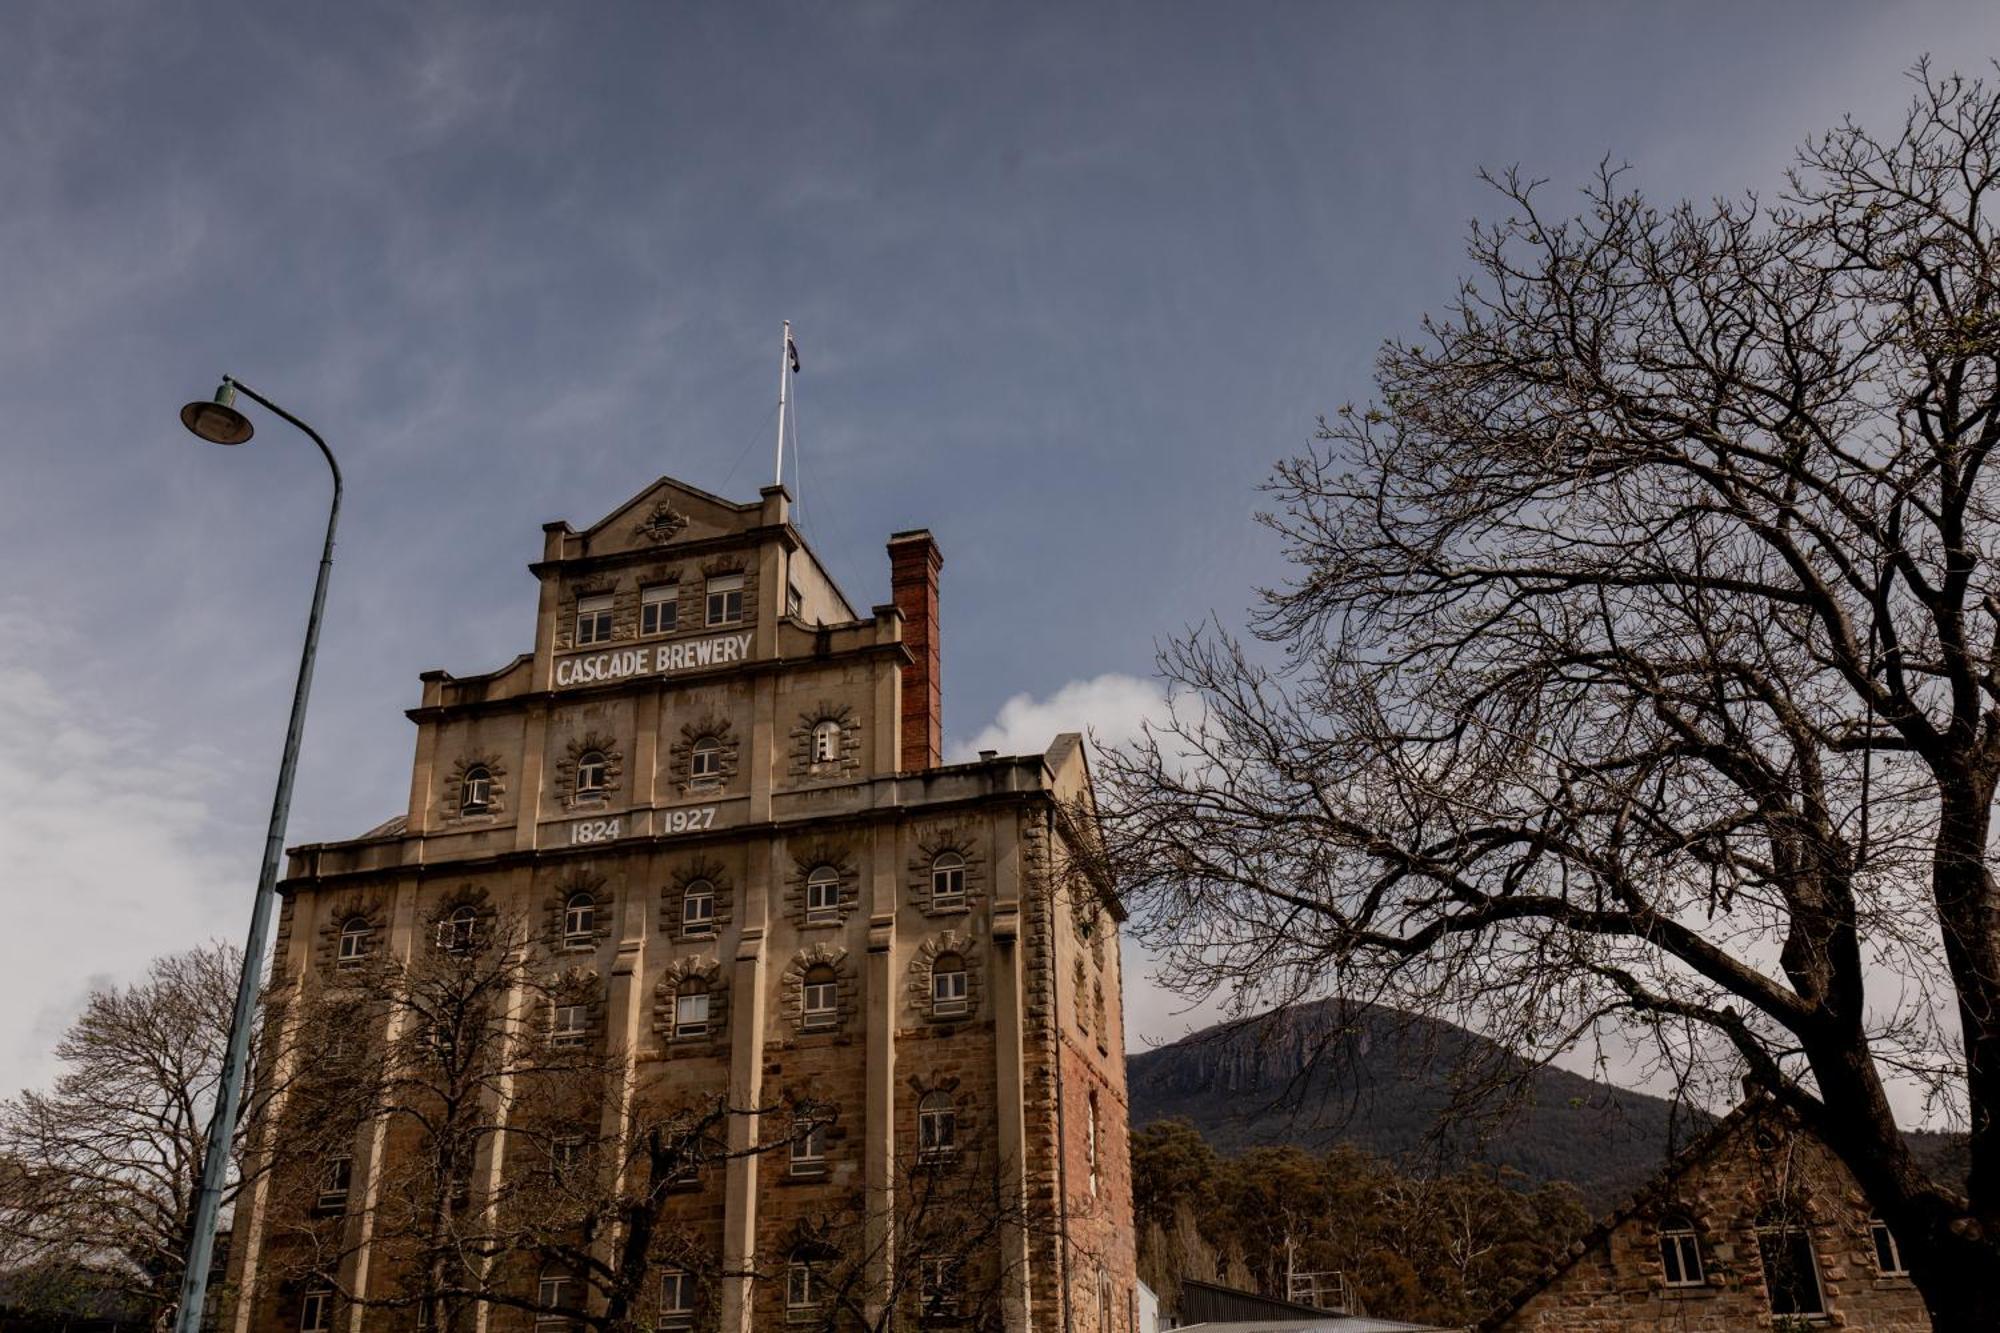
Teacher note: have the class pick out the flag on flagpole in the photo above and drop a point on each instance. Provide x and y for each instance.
(792, 350)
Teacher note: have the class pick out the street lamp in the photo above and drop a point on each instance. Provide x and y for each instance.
(218, 422)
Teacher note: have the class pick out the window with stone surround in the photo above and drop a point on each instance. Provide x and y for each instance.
(1791, 1270)
(458, 929)
(705, 762)
(659, 609)
(948, 880)
(590, 774)
(826, 742)
(805, 1285)
(335, 1181)
(316, 1310)
(1888, 1254)
(822, 896)
(949, 992)
(809, 1149)
(698, 908)
(819, 998)
(691, 1008)
(725, 599)
(475, 790)
(1090, 1142)
(357, 941)
(676, 1299)
(554, 1291)
(593, 619)
(579, 921)
(1680, 1252)
(937, 1127)
(565, 1153)
(569, 1025)
(940, 1285)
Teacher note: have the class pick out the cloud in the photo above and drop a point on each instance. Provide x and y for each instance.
(1109, 708)
(111, 851)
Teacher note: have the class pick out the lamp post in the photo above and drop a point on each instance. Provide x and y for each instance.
(219, 422)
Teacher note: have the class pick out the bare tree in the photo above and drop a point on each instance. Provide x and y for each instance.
(933, 1253)
(1641, 665)
(103, 1167)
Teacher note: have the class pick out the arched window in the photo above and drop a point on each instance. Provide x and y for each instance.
(705, 763)
(819, 1000)
(475, 792)
(949, 992)
(579, 921)
(826, 742)
(691, 1008)
(805, 1286)
(698, 908)
(356, 939)
(937, 1127)
(457, 930)
(590, 773)
(1680, 1251)
(554, 1292)
(948, 880)
(822, 895)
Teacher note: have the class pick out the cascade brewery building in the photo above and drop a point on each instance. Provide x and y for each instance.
(702, 840)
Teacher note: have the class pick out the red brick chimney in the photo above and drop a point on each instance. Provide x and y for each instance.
(913, 579)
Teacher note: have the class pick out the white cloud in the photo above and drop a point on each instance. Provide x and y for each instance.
(1107, 708)
(110, 849)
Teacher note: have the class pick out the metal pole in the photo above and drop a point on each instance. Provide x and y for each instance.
(784, 378)
(222, 1125)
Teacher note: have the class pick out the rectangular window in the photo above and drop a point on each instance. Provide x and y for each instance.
(315, 1311)
(334, 1184)
(1791, 1273)
(659, 608)
(691, 1015)
(572, 1023)
(676, 1299)
(794, 603)
(802, 1286)
(593, 619)
(938, 1286)
(725, 599)
(948, 992)
(565, 1151)
(819, 1004)
(809, 1151)
(822, 897)
(1680, 1257)
(937, 1133)
(1888, 1254)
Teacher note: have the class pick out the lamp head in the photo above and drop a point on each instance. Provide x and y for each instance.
(218, 421)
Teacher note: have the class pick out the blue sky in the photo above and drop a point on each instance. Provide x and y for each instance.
(1066, 280)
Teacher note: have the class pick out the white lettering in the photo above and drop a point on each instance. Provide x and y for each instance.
(668, 657)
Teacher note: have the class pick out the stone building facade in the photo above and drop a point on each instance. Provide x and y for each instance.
(1756, 1226)
(712, 777)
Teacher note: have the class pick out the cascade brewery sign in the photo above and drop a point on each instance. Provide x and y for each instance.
(657, 660)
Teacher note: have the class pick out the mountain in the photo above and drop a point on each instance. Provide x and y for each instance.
(1329, 1071)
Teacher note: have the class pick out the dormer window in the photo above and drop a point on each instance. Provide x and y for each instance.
(826, 742)
(593, 619)
(590, 774)
(659, 609)
(475, 793)
(705, 763)
(725, 599)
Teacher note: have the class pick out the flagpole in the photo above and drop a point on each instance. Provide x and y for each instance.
(784, 380)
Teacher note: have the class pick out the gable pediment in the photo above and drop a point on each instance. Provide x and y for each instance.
(667, 513)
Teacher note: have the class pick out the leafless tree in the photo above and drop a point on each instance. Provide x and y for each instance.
(102, 1169)
(934, 1254)
(1641, 664)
